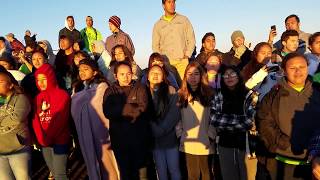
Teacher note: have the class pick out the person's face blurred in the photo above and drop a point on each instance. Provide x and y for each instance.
(155, 75)
(76, 46)
(291, 45)
(213, 63)
(70, 22)
(77, 59)
(209, 44)
(6, 65)
(9, 38)
(119, 54)
(239, 41)
(42, 82)
(38, 60)
(193, 77)
(65, 43)
(5, 85)
(112, 27)
(263, 54)
(86, 73)
(169, 7)
(124, 75)
(89, 22)
(296, 71)
(315, 46)
(28, 33)
(2, 44)
(230, 78)
(292, 24)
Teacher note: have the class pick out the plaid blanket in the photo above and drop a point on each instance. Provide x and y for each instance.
(233, 122)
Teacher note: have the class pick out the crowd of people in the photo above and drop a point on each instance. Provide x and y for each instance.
(237, 115)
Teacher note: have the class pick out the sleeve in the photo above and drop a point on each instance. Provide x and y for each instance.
(97, 103)
(179, 129)
(229, 122)
(34, 38)
(314, 145)
(104, 62)
(130, 45)
(256, 78)
(22, 108)
(155, 39)
(172, 80)
(267, 126)
(215, 110)
(190, 39)
(112, 105)
(99, 36)
(83, 34)
(60, 33)
(167, 124)
(108, 45)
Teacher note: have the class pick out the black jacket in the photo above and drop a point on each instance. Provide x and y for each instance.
(127, 110)
(229, 59)
(74, 35)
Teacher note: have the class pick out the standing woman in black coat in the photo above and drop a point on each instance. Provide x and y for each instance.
(125, 105)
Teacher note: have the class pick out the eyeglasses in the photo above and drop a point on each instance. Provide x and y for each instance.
(231, 75)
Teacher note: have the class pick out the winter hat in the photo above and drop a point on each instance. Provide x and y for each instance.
(93, 64)
(115, 20)
(236, 34)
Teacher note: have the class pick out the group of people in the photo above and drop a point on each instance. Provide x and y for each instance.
(236, 115)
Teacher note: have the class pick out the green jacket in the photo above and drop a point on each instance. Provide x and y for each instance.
(88, 35)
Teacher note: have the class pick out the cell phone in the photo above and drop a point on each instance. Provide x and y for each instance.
(273, 27)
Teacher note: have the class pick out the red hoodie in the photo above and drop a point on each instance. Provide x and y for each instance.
(52, 110)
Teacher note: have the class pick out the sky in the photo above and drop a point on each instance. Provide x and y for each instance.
(222, 17)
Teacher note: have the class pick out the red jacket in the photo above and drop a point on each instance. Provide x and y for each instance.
(52, 110)
(17, 45)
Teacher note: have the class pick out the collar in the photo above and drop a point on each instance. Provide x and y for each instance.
(168, 19)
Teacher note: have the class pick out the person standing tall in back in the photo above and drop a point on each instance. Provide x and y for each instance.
(70, 30)
(118, 36)
(173, 36)
(89, 34)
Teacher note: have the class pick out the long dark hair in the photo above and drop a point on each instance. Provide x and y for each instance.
(158, 57)
(208, 34)
(162, 93)
(126, 51)
(203, 92)
(16, 88)
(97, 79)
(253, 66)
(233, 99)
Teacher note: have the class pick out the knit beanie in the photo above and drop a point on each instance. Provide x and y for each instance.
(236, 34)
(115, 20)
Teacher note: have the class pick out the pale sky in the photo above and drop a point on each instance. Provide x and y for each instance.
(252, 17)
